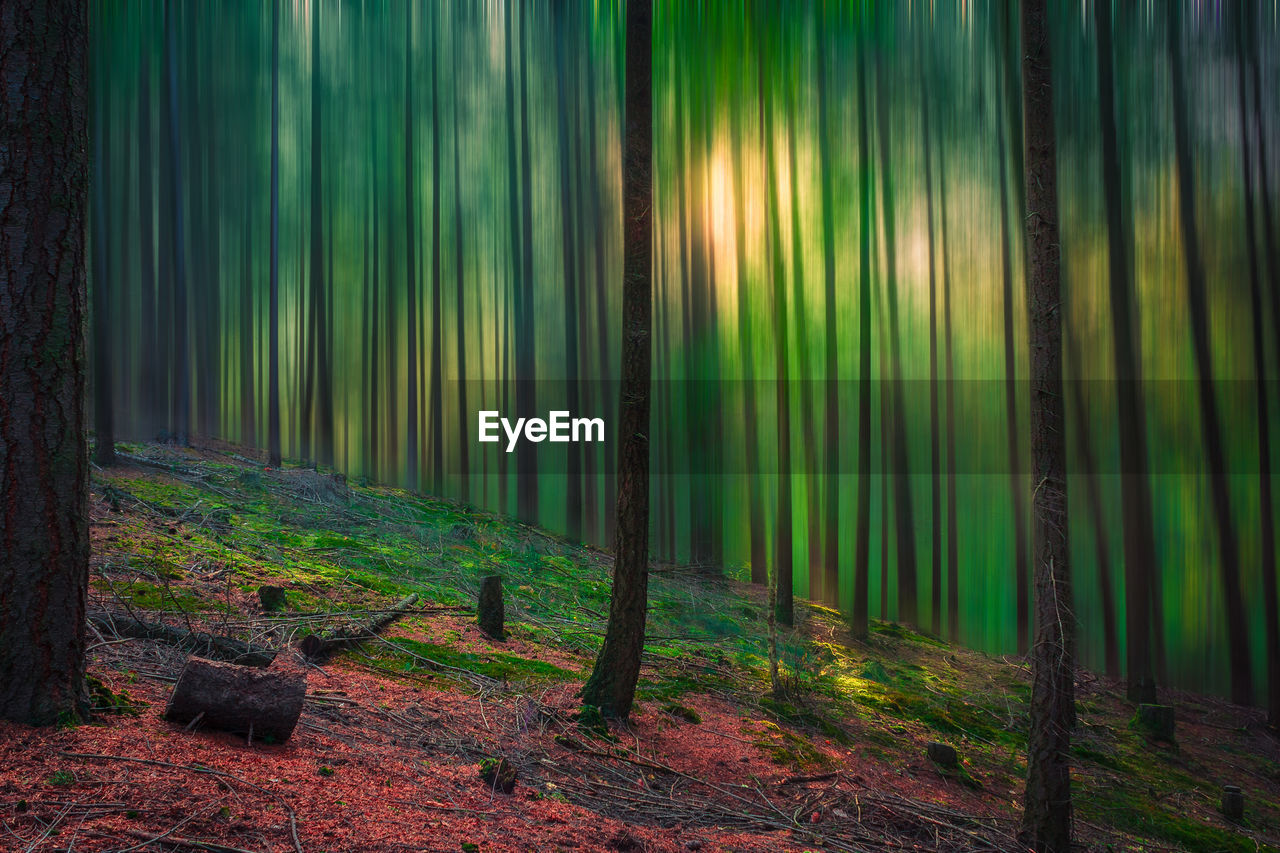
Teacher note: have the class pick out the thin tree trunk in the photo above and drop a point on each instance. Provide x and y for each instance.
(460, 327)
(904, 513)
(831, 389)
(953, 535)
(181, 368)
(44, 461)
(613, 681)
(149, 415)
(411, 469)
(935, 462)
(1047, 818)
(1228, 545)
(274, 457)
(526, 346)
(862, 535)
(1266, 506)
(104, 453)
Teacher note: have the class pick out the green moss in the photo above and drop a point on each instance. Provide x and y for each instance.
(143, 595)
(506, 667)
(102, 700)
(1130, 812)
(684, 712)
(788, 749)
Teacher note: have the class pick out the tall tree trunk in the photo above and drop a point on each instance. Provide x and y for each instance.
(1047, 818)
(935, 462)
(437, 301)
(782, 566)
(569, 251)
(104, 453)
(613, 680)
(830, 386)
(411, 469)
(181, 366)
(274, 456)
(149, 416)
(460, 326)
(321, 331)
(1266, 506)
(953, 536)
(526, 346)
(1228, 545)
(862, 535)
(1017, 482)
(44, 460)
(1135, 491)
(903, 510)
(247, 337)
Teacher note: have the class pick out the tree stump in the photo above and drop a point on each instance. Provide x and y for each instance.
(261, 703)
(943, 754)
(1232, 802)
(1156, 721)
(272, 598)
(489, 613)
(499, 774)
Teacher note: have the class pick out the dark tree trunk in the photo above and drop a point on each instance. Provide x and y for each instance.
(460, 328)
(104, 452)
(44, 461)
(1266, 506)
(322, 366)
(862, 535)
(569, 251)
(1211, 423)
(1139, 540)
(436, 402)
(613, 681)
(149, 416)
(935, 462)
(953, 537)
(411, 465)
(261, 703)
(904, 513)
(1021, 573)
(831, 388)
(273, 322)
(512, 315)
(782, 565)
(1047, 818)
(526, 349)
(181, 346)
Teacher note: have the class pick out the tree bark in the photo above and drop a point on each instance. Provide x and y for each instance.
(104, 451)
(262, 703)
(1047, 819)
(44, 461)
(613, 681)
(274, 458)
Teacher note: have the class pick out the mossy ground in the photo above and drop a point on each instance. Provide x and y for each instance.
(193, 534)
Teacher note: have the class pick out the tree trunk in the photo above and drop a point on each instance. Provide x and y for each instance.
(436, 402)
(613, 681)
(1228, 544)
(149, 416)
(1266, 506)
(262, 703)
(460, 325)
(1047, 818)
(862, 535)
(411, 466)
(273, 322)
(104, 453)
(181, 346)
(526, 347)
(935, 462)
(44, 462)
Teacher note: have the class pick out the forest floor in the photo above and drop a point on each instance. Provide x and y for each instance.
(386, 755)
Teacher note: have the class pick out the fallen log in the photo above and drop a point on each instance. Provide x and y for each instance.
(197, 642)
(322, 646)
(261, 703)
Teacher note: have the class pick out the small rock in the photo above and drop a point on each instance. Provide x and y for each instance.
(942, 754)
(1156, 721)
(499, 774)
(272, 598)
(693, 844)
(624, 842)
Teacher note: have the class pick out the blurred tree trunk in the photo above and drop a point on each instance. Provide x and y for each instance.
(104, 453)
(953, 536)
(1047, 817)
(460, 326)
(935, 462)
(44, 463)
(569, 252)
(526, 340)
(862, 535)
(149, 414)
(437, 298)
(1228, 544)
(274, 457)
(411, 465)
(613, 680)
(181, 345)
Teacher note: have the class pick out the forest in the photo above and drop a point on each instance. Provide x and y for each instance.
(847, 385)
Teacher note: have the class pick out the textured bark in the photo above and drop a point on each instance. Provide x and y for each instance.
(1239, 658)
(613, 681)
(44, 463)
(262, 703)
(490, 614)
(1047, 819)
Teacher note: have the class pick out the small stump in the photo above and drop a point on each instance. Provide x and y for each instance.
(1156, 721)
(489, 613)
(1232, 802)
(261, 703)
(943, 754)
(499, 774)
(272, 598)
